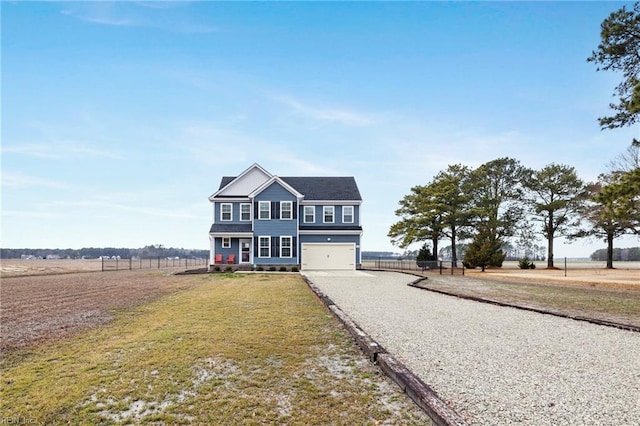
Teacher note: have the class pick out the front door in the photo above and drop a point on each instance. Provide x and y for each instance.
(245, 251)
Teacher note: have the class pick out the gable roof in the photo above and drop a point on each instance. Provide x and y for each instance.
(326, 188)
(244, 183)
(279, 181)
(341, 188)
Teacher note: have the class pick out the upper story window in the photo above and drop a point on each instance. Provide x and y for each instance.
(245, 212)
(286, 210)
(264, 210)
(225, 211)
(347, 214)
(309, 214)
(328, 214)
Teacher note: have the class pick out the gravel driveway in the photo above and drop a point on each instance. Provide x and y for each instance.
(496, 365)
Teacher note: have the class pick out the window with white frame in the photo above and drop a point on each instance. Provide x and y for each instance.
(285, 246)
(347, 214)
(309, 214)
(328, 214)
(264, 210)
(245, 212)
(226, 242)
(225, 211)
(264, 244)
(286, 210)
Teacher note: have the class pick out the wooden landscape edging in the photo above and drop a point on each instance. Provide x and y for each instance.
(421, 393)
(596, 321)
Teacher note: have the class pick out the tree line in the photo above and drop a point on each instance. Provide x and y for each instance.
(502, 200)
(149, 251)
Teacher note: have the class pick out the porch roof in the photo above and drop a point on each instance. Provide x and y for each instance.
(219, 228)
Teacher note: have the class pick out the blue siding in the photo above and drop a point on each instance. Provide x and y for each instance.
(275, 227)
(235, 213)
(337, 216)
(225, 252)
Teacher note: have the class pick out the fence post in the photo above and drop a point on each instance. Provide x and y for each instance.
(158, 262)
(117, 264)
(130, 260)
(441, 267)
(102, 258)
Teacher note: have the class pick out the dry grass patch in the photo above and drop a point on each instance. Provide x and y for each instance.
(232, 349)
(617, 305)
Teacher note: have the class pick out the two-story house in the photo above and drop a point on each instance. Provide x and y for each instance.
(264, 219)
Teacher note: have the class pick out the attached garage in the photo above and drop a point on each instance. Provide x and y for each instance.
(328, 256)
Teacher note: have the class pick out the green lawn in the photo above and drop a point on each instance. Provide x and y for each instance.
(235, 349)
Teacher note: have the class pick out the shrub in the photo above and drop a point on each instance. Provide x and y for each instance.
(216, 268)
(228, 269)
(259, 268)
(485, 250)
(294, 269)
(283, 269)
(425, 254)
(524, 263)
(272, 268)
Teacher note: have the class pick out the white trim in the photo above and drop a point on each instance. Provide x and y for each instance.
(222, 219)
(290, 210)
(304, 215)
(260, 210)
(333, 214)
(331, 202)
(240, 241)
(282, 183)
(260, 246)
(231, 234)
(230, 199)
(212, 249)
(329, 232)
(250, 215)
(240, 176)
(353, 213)
(290, 246)
(222, 242)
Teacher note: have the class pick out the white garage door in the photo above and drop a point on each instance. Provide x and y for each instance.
(328, 256)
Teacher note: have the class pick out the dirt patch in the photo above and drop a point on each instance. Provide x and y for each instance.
(36, 309)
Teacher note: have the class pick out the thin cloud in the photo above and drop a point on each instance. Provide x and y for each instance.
(60, 150)
(123, 14)
(338, 115)
(12, 180)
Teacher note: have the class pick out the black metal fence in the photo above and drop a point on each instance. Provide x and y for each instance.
(117, 264)
(435, 266)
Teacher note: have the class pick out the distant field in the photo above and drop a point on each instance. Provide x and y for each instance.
(22, 267)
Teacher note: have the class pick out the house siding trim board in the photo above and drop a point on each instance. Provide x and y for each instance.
(278, 234)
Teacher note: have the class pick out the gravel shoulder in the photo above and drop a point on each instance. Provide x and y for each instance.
(497, 365)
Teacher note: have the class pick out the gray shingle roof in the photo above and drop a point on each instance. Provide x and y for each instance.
(223, 227)
(319, 188)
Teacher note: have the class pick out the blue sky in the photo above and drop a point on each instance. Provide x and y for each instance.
(118, 119)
